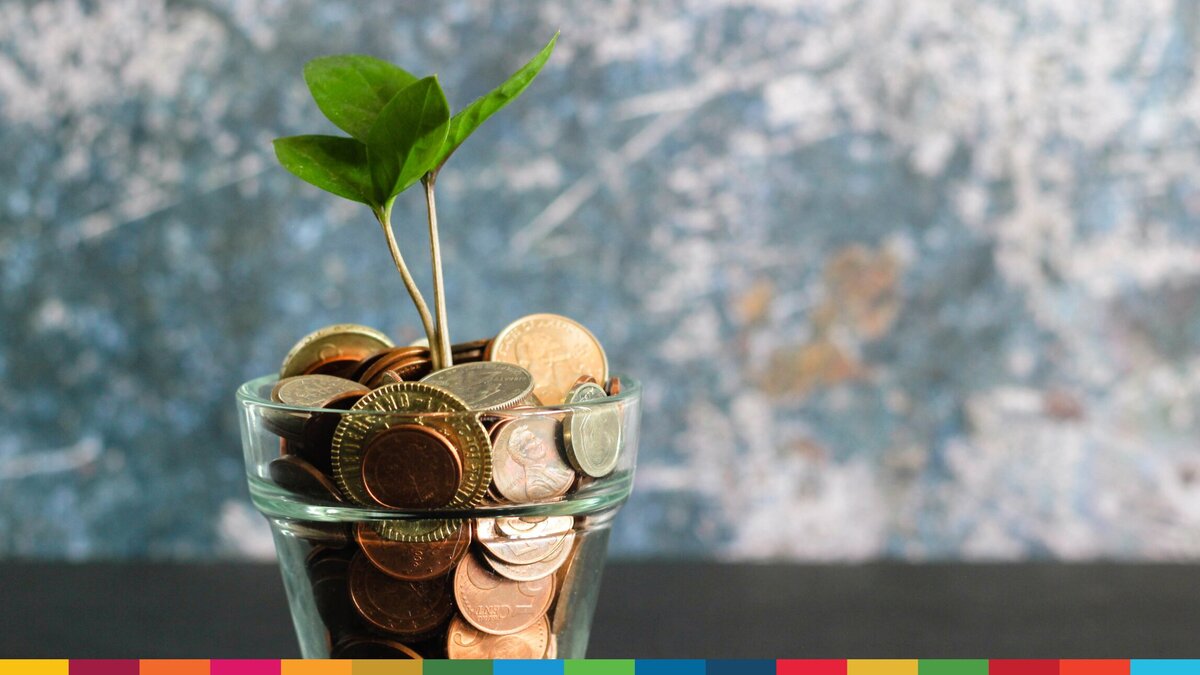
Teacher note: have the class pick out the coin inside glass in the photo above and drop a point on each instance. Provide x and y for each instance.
(411, 466)
(398, 606)
(485, 385)
(497, 605)
(464, 641)
(296, 475)
(592, 435)
(414, 561)
(526, 463)
(339, 341)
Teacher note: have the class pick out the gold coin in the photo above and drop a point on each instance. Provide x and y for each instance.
(405, 403)
(592, 435)
(464, 641)
(340, 341)
(485, 385)
(555, 349)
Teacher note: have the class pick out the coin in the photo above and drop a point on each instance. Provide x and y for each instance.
(526, 464)
(592, 434)
(410, 466)
(347, 340)
(365, 647)
(485, 385)
(614, 386)
(497, 605)
(521, 550)
(464, 641)
(555, 349)
(390, 359)
(397, 606)
(557, 555)
(296, 475)
(328, 572)
(533, 526)
(318, 431)
(404, 403)
(314, 391)
(413, 561)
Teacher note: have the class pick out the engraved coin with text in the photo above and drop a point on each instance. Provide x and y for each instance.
(592, 434)
(555, 349)
(526, 463)
(464, 641)
(497, 605)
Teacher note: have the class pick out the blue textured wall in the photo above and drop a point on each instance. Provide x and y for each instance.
(908, 278)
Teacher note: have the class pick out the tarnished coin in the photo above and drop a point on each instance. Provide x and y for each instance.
(526, 463)
(343, 340)
(414, 561)
(370, 647)
(464, 641)
(410, 466)
(497, 605)
(557, 555)
(485, 385)
(314, 391)
(296, 475)
(405, 403)
(397, 606)
(555, 349)
(522, 550)
(592, 435)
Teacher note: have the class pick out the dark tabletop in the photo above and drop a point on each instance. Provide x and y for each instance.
(651, 610)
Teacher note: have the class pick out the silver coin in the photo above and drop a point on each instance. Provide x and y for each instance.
(313, 391)
(592, 435)
(533, 526)
(526, 463)
(536, 570)
(517, 550)
(485, 385)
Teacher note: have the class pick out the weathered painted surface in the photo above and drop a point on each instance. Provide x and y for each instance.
(911, 278)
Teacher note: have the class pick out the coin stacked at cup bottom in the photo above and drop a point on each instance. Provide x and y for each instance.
(365, 423)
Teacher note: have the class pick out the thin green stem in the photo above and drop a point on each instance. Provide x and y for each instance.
(384, 216)
(439, 290)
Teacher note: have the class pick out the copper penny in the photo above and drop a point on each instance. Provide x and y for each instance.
(526, 463)
(364, 647)
(614, 386)
(410, 466)
(339, 366)
(296, 475)
(464, 641)
(555, 349)
(413, 561)
(397, 606)
(381, 362)
(497, 605)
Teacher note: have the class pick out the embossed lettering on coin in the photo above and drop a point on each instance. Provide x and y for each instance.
(497, 605)
(464, 641)
(414, 561)
(555, 349)
(521, 550)
(557, 555)
(527, 465)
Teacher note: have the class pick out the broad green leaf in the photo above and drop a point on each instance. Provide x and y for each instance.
(351, 89)
(332, 163)
(469, 118)
(406, 137)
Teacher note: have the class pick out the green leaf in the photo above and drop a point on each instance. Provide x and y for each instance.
(332, 163)
(351, 89)
(406, 137)
(469, 118)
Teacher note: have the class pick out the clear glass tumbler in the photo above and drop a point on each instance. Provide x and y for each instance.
(514, 576)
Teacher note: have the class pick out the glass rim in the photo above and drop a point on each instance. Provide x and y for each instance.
(631, 389)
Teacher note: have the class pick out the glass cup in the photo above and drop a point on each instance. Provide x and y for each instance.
(513, 575)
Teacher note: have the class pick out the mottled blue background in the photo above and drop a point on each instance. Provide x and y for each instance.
(910, 278)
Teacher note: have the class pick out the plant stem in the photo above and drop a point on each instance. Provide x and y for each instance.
(384, 216)
(439, 290)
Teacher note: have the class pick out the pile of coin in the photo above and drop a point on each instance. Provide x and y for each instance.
(365, 423)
